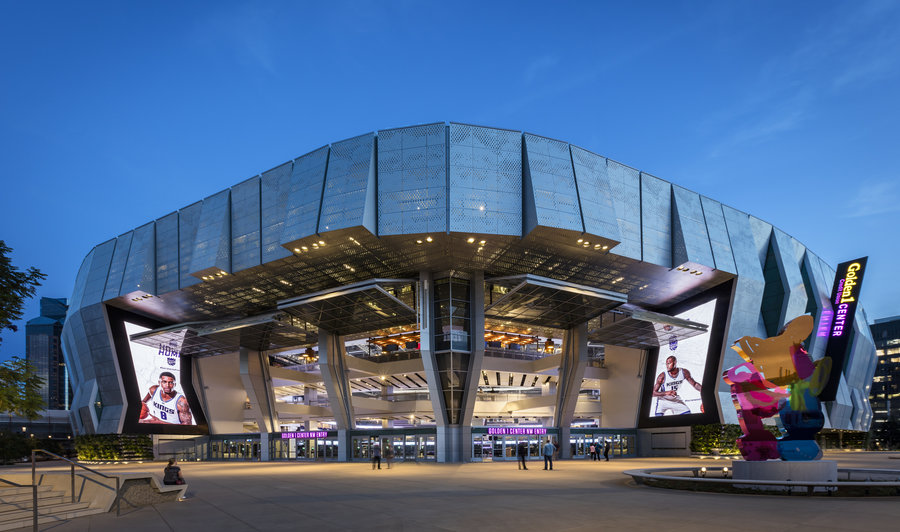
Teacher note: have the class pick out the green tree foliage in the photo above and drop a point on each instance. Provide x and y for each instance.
(15, 287)
(20, 389)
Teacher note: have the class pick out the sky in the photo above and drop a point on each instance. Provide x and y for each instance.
(113, 114)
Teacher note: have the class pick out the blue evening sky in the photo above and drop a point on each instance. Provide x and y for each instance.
(115, 113)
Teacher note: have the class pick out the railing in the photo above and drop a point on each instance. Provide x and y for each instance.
(72, 465)
(34, 499)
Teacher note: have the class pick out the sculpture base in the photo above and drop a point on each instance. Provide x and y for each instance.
(778, 470)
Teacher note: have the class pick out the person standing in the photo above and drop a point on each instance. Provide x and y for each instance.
(522, 451)
(593, 452)
(376, 456)
(606, 448)
(549, 449)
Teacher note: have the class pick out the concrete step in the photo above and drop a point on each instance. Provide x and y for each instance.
(51, 513)
(44, 519)
(11, 491)
(44, 492)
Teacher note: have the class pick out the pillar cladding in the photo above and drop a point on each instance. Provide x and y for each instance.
(571, 372)
(254, 368)
(337, 384)
(451, 313)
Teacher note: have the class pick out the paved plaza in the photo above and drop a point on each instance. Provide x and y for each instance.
(576, 496)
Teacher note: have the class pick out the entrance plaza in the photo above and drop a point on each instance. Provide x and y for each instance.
(576, 495)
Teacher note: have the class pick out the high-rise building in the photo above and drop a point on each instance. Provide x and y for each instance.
(43, 349)
(885, 394)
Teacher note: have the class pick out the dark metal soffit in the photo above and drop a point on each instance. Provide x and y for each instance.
(274, 330)
(356, 308)
(630, 326)
(544, 302)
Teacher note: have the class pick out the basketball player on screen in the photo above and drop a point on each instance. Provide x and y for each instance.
(666, 389)
(163, 404)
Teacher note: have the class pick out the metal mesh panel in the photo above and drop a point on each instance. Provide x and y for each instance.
(412, 191)
(718, 235)
(117, 267)
(188, 222)
(305, 196)
(625, 189)
(690, 240)
(140, 271)
(212, 246)
(656, 220)
(245, 225)
(273, 202)
(553, 187)
(95, 281)
(167, 253)
(593, 191)
(485, 180)
(790, 255)
(347, 185)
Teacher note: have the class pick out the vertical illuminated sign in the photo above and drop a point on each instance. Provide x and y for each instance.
(844, 298)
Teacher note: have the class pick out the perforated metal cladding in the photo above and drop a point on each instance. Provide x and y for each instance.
(625, 189)
(593, 191)
(275, 187)
(117, 267)
(349, 181)
(412, 180)
(81, 279)
(212, 245)
(554, 194)
(167, 253)
(97, 271)
(245, 225)
(188, 222)
(718, 235)
(140, 271)
(485, 180)
(656, 220)
(790, 256)
(305, 196)
(689, 238)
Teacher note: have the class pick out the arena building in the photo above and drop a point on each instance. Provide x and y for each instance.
(445, 291)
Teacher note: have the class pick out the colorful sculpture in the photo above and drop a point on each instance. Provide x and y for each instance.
(791, 394)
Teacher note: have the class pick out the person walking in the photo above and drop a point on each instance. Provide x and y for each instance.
(606, 448)
(389, 455)
(376, 456)
(549, 449)
(522, 451)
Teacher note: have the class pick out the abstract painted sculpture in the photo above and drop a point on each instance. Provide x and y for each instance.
(791, 390)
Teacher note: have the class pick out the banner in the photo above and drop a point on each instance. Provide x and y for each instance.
(844, 298)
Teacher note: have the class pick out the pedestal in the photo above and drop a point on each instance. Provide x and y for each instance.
(778, 470)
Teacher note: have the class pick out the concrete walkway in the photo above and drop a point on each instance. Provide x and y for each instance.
(576, 496)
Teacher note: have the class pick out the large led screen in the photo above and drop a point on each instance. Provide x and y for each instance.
(159, 394)
(157, 371)
(680, 368)
(680, 381)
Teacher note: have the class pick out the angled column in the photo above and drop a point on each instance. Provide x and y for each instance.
(337, 384)
(254, 368)
(571, 372)
(452, 346)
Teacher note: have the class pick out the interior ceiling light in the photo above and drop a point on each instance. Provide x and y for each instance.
(470, 240)
(428, 239)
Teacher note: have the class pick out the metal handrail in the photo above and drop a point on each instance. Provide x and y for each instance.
(72, 465)
(34, 499)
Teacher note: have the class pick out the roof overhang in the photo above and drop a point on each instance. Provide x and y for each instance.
(355, 308)
(630, 326)
(549, 303)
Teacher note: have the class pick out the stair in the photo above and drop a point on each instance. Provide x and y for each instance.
(53, 507)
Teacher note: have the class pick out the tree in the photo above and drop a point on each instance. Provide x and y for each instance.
(20, 389)
(15, 287)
